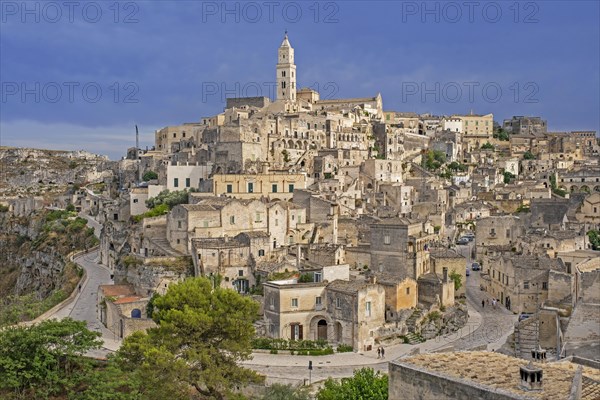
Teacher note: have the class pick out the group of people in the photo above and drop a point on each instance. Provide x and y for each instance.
(484, 302)
(380, 352)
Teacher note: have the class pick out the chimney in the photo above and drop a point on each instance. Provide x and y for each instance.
(445, 274)
(539, 354)
(531, 377)
(372, 279)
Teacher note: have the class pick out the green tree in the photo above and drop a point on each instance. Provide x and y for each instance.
(149, 175)
(487, 146)
(366, 384)
(457, 278)
(203, 332)
(528, 155)
(508, 176)
(594, 237)
(278, 391)
(44, 359)
(171, 199)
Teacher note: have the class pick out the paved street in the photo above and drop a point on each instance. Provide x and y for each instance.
(84, 307)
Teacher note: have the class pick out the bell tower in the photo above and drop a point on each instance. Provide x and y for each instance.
(286, 71)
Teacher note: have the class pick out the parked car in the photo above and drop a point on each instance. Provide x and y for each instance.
(469, 235)
(462, 241)
(468, 271)
(476, 267)
(524, 316)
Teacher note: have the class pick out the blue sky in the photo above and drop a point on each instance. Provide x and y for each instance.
(82, 77)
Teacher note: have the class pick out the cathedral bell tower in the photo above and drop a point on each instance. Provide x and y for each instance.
(286, 72)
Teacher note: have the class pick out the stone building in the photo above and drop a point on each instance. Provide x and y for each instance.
(399, 246)
(122, 311)
(523, 125)
(522, 282)
(254, 186)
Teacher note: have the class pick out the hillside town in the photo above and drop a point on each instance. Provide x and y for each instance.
(359, 228)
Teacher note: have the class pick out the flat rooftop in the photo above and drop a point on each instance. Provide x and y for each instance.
(500, 372)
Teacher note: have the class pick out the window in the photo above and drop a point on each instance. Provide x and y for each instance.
(368, 308)
(283, 74)
(250, 187)
(272, 303)
(338, 302)
(318, 276)
(526, 285)
(318, 300)
(229, 188)
(274, 188)
(136, 200)
(261, 253)
(240, 272)
(508, 233)
(115, 217)
(291, 188)
(187, 182)
(179, 224)
(295, 303)
(407, 291)
(386, 239)
(178, 241)
(232, 220)
(257, 217)
(276, 222)
(176, 182)
(545, 285)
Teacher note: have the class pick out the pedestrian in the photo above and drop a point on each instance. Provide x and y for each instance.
(379, 352)
(80, 287)
(482, 303)
(382, 352)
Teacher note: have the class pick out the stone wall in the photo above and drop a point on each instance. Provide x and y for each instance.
(589, 287)
(414, 383)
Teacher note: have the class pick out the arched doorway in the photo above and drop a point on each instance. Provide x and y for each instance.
(322, 330)
(136, 313)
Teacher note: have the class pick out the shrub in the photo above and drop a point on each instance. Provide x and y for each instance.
(344, 348)
(149, 175)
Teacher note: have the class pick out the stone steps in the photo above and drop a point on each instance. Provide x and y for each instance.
(414, 338)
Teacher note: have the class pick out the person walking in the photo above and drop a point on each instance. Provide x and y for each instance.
(482, 303)
(382, 352)
(379, 352)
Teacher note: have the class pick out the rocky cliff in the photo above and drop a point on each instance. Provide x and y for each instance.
(35, 172)
(34, 266)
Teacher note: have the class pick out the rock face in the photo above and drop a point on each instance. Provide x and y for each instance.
(24, 269)
(33, 171)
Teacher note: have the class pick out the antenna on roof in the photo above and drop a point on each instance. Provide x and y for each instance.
(137, 138)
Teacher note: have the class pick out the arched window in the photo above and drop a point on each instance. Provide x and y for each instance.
(136, 313)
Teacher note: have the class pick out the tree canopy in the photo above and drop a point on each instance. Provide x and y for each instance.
(203, 333)
(366, 384)
(44, 359)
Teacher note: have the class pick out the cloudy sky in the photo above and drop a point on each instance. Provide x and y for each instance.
(81, 75)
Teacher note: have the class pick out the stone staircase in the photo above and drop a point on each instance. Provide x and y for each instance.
(411, 322)
(526, 337)
(164, 247)
(413, 338)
